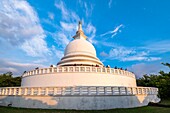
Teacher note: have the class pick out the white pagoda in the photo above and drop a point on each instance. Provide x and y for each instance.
(78, 81)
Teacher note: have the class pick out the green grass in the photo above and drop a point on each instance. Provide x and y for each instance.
(146, 109)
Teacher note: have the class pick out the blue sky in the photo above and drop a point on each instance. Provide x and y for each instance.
(132, 34)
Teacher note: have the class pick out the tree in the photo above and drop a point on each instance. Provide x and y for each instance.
(161, 81)
(7, 80)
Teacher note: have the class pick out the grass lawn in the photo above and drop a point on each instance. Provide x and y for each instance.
(147, 109)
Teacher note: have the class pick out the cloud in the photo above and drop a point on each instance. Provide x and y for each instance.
(16, 67)
(20, 27)
(36, 47)
(71, 27)
(140, 58)
(68, 26)
(149, 68)
(110, 3)
(87, 7)
(103, 54)
(61, 39)
(129, 54)
(90, 30)
(158, 46)
(59, 54)
(113, 32)
(51, 15)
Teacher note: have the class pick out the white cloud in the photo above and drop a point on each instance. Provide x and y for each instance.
(113, 32)
(103, 54)
(88, 9)
(51, 15)
(61, 39)
(91, 32)
(16, 67)
(68, 26)
(158, 46)
(59, 54)
(60, 5)
(140, 58)
(129, 54)
(20, 27)
(149, 68)
(121, 52)
(71, 27)
(35, 47)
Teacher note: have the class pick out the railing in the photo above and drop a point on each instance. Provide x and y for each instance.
(78, 90)
(73, 69)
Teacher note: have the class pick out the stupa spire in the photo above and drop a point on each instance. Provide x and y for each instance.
(79, 33)
(80, 26)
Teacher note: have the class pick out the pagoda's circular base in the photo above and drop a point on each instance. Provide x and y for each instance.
(78, 79)
(78, 102)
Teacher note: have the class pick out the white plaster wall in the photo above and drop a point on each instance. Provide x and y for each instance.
(78, 79)
(78, 102)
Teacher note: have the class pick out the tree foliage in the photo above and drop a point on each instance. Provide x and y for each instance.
(7, 80)
(161, 81)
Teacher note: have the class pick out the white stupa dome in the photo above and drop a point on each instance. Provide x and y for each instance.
(80, 52)
(80, 46)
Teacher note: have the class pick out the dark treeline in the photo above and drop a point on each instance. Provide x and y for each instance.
(161, 81)
(7, 80)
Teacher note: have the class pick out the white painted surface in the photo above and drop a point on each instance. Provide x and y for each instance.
(78, 79)
(78, 102)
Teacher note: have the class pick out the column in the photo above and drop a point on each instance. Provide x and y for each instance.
(9, 91)
(72, 90)
(14, 93)
(89, 91)
(32, 91)
(39, 91)
(105, 90)
(63, 91)
(80, 90)
(25, 91)
(97, 90)
(46, 91)
(112, 88)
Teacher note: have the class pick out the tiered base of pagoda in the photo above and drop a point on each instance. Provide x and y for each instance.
(79, 98)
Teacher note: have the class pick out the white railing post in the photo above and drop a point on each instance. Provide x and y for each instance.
(97, 90)
(105, 90)
(25, 91)
(63, 91)
(14, 93)
(89, 91)
(72, 90)
(39, 91)
(113, 92)
(9, 91)
(2, 91)
(46, 91)
(80, 90)
(32, 91)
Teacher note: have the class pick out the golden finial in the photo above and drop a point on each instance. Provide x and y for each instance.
(79, 33)
(80, 26)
